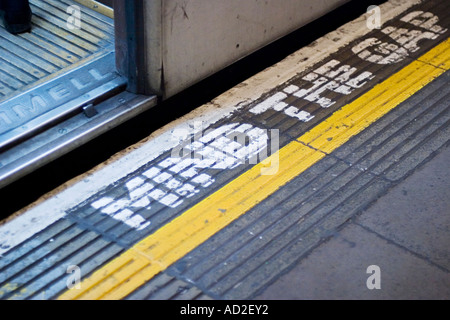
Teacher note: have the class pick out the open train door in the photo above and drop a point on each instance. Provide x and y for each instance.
(166, 46)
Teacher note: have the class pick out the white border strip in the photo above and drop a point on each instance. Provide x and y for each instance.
(52, 207)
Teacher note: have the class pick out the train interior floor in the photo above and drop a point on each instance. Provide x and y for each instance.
(59, 87)
(34, 65)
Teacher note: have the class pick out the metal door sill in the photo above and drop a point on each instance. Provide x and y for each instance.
(68, 135)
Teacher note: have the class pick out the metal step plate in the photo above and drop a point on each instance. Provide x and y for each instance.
(186, 213)
(65, 62)
(70, 134)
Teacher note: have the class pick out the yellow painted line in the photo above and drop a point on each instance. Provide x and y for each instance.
(155, 253)
(439, 56)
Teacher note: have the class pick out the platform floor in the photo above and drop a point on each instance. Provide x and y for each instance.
(289, 186)
(405, 233)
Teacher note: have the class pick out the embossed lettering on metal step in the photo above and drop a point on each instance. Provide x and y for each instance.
(55, 100)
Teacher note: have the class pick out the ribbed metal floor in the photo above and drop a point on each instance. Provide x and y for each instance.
(54, 45)
(63, 64)
(48, 77)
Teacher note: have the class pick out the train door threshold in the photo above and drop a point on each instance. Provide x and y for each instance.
(59, 86)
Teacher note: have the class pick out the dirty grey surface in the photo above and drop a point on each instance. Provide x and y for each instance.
(405, 233)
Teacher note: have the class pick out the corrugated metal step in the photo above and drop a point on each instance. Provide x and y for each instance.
(53, 82)
(55, 45)
(51, 72)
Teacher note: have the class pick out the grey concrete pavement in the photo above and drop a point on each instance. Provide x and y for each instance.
(406, 233)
